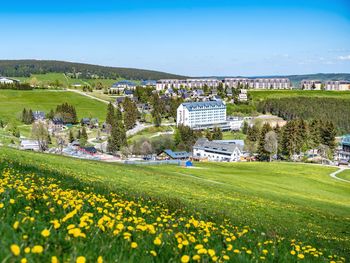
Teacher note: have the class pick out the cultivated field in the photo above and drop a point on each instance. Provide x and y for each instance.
(271, 208)
(13, 101)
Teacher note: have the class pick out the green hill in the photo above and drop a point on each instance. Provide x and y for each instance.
(246, 211)
(25, 68)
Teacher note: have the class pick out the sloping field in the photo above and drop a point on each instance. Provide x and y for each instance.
(12, 103)
(276, 205)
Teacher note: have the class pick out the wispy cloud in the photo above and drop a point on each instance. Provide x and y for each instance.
(344, 57)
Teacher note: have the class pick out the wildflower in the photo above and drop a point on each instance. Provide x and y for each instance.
(265, 251)
(15, 250)
(236, 251)
(249, 251)
(133, 245)
(196, 257)
(45, 233)
(81, 259)
(100, 259)
(54, 259)
(1, 205)
(37, 249)
(153, 253)
(292, 252)
(185, 259)
(157, 241)
(24, 260)
(12, 201)
(226, 257)
(27, 250)
(15, 225)
(211, 252)
(301, 256)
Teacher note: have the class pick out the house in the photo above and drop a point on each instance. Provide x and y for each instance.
(89, 150)
(215, 98)
(337, 85)
(85, 121)
(39, 115)
(128, 93)
(148, 83)
(4, 80)
(202, 115)
(236, 123)
(123, 84)
(171, 155)
(243, 96)
(344, 149)
(217, 151)
(32, 145)
(198, 93)
(119, 100)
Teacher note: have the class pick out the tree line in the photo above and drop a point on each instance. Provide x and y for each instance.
(296, 137)
(16, 86)
(335, 110)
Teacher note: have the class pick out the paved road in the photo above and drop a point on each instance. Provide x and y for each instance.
(334, 174)
(90, 96)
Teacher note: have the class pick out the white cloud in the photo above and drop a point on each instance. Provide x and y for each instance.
(344, 57)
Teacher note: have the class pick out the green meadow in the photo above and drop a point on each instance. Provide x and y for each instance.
(293, 201)
(13, 101)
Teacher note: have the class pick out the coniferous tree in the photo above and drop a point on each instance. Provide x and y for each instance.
(245, 127)
(130, 113)
(263, 155)
(71, 136)
(83, 137)
(217, 134)
(110, 114)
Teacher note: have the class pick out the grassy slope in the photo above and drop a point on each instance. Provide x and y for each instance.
(292, 200)
(12, 103)
(345, 175)
(263, 94)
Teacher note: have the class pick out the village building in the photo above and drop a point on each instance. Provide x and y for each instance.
(31, 145)
(337, 85)
(171, 155)
(344, 150)
(203, 115)
(310, 84)
(217, 151)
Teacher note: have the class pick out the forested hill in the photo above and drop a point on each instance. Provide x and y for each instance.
(24, 68)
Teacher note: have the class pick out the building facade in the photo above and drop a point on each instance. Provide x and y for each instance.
(217, 151)
(337, 85)
(344, 150)
(258, 83)
(4, 80)
(203, 115)
(311, 84)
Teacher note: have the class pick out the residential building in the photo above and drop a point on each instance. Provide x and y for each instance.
(171, 155)
(200, 83)
(217, 151)
(338, 85)
(203, 115)
(4, 80)
(258, 83)
(39, 115)
(243, 95)
(163, 84)
(32, 145)
(123, 84)
(310, 84)
(344, 151)
(236, 123)
(148, 83)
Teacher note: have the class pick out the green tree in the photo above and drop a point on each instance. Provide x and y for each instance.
(263, 155)
(130, 113)
(217, 134)
(110, 114)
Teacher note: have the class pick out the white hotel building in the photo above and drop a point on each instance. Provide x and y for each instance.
(163, 84)
(337, 85)
(258, 83)
(203, 115)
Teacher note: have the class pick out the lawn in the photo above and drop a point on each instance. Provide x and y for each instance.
(344, 175)
(12, 103)
(293, 201)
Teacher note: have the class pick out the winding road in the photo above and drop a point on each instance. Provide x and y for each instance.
(334, 174)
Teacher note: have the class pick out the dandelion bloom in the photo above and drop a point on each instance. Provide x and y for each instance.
(54, 259)
(24, 260)
(37, 249)
(100, 259)
(301, 256)
(292, 252)
(157, 241)
(45, 233)
(81, 259)
(185, 259)
(15, 250)
(133, 245)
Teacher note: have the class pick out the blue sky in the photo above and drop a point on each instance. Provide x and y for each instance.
(189, 37)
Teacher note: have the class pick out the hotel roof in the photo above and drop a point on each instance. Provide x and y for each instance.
(203, 104)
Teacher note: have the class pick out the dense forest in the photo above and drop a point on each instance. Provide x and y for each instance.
(24, 68)
(335, 110)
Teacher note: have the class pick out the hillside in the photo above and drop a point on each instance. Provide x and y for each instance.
(260, 206)
(25, 68)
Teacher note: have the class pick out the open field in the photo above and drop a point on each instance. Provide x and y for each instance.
(12, 103)
(263, 94)
(66, 81)
(294, 201)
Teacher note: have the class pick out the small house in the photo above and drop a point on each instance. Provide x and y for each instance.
(39, 115)
(171, 155)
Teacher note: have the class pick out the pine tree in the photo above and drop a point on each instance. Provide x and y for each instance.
(263, 155)
(208, 134)
(83, 137)
(245, 127)
(110, 114)
(71, 136)
(130, 113)
(217, 134)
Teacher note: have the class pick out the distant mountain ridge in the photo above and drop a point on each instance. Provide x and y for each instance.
(24, 68)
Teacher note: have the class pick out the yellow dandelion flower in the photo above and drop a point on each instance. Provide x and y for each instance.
(157, 241)
(15, 250)
(211, 252)
(153, 253)
(12, 201)
(24, 260)
(81, 259)
(196, 257)
(265, 251)
(1, 205)
(45, 233)
(133, 245)
(185, 259)
(37, 249)
(100, 259)
(301, 256)
(16, 225)
(249, 251)
(54, 259)
(292, 252)
(27, 250)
